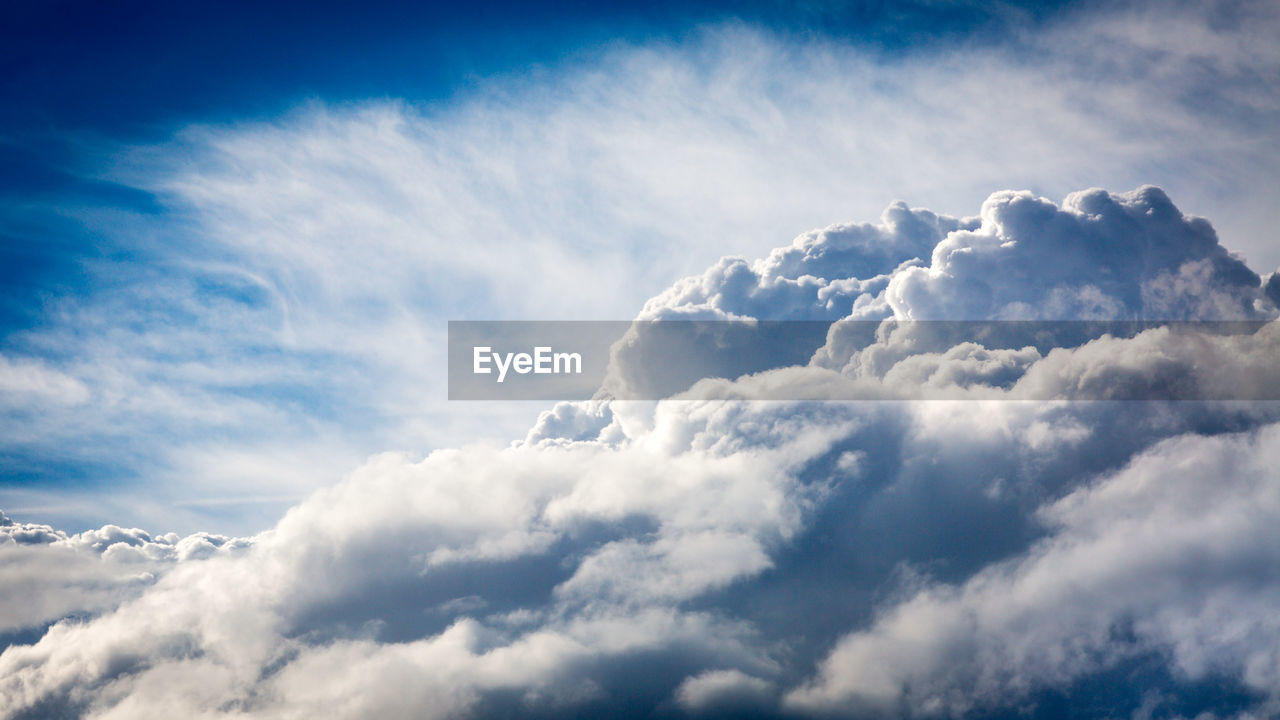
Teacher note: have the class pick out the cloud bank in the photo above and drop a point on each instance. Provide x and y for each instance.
(727, 558)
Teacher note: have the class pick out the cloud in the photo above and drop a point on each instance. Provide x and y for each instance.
(723, 690)
(50, 575)
(687, 518)
(1173, 555)
(30, 382)
(727, 557)
(1132, 257)
(1098, 256)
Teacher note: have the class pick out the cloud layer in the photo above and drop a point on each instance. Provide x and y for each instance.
(724, 558)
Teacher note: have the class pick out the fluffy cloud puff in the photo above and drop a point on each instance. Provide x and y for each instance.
(1097, 256)
(724, 558)
(50, 575)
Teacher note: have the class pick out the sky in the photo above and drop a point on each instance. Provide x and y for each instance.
(233, 234)
(128, 135)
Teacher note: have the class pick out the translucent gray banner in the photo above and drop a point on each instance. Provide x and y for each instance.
(864, 360)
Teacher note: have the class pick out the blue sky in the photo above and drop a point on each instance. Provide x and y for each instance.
(139, 69)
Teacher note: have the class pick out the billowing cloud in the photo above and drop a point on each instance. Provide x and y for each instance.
(494, 569)
(723, 558)
(1098, 255)
(1175, 555)
(50, 575)
(1129, 258)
